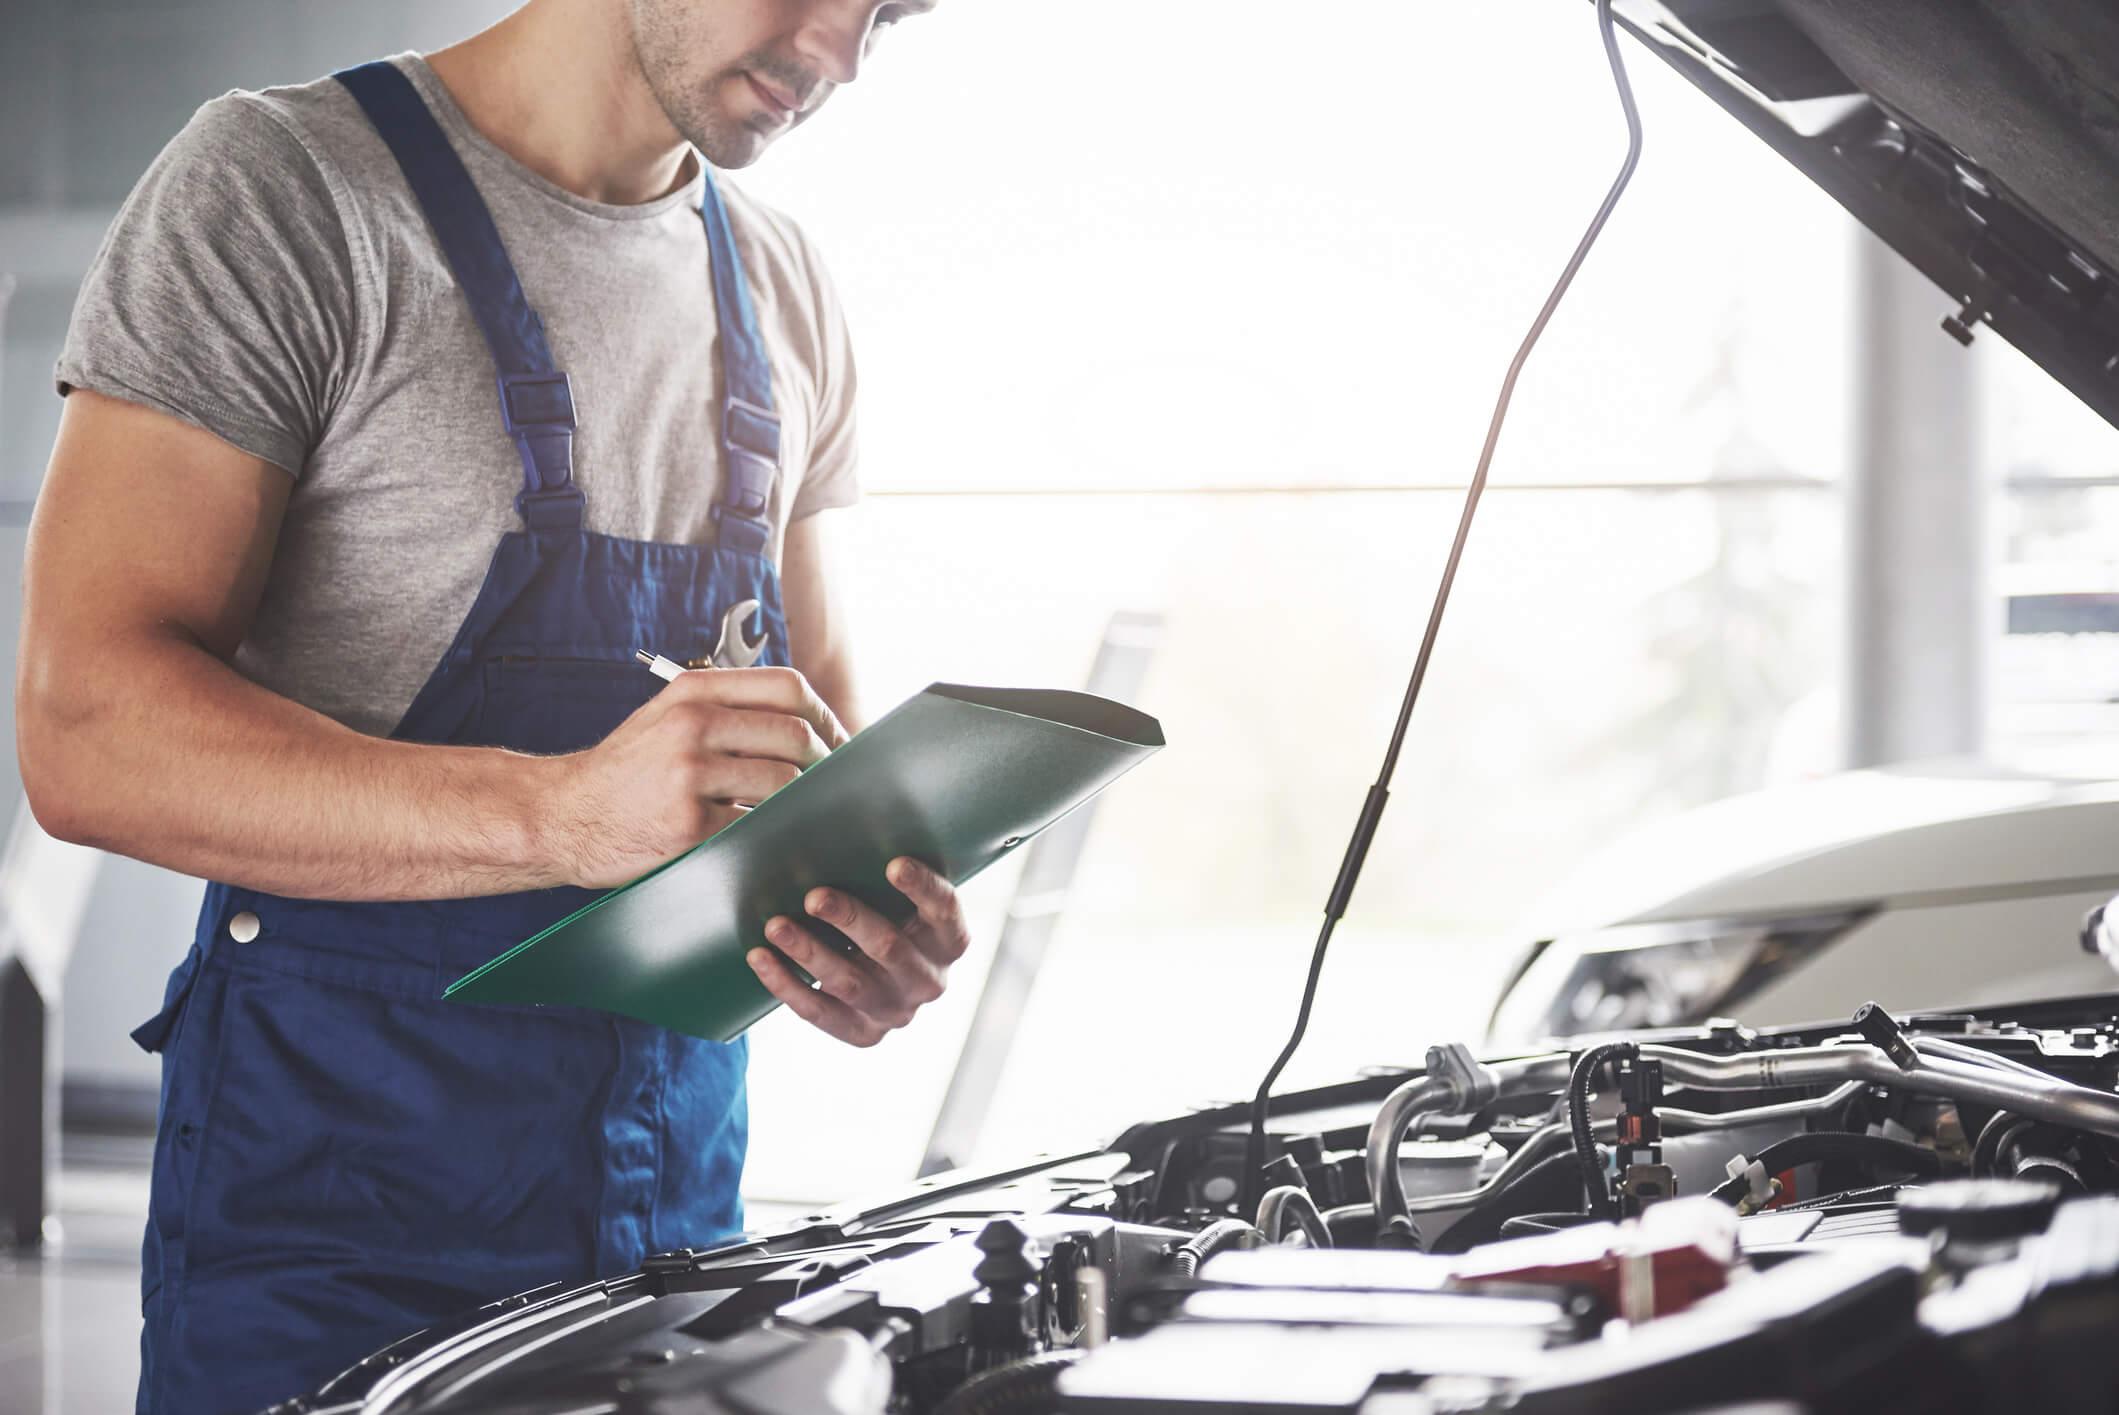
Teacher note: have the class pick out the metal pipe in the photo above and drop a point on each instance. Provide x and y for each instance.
(2061, 1102)
(2043, 1097)
(1764, 1070)
(1957, 1051)
(1695, 1122)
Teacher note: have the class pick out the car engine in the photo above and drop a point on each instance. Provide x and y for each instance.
(1881, 1216)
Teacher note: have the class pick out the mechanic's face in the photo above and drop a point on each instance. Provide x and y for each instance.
(734, 74)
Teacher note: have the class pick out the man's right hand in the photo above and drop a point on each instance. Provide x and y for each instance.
(709, 746)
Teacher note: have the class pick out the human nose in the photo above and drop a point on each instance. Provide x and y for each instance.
(835, 36)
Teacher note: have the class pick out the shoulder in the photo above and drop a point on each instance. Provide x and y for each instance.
(788, 275)
(224, 291)
(308, 139)
(253, 159)
(773, 244)
(291, 132)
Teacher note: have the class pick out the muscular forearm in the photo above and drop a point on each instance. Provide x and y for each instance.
(156, 749)
(817, 618)
(148, 555)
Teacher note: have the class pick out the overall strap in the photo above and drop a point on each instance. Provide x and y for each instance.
(750, 429)
(536, 400)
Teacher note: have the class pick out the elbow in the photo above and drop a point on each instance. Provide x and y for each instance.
(51, 796)
(57, 783)
(55, 816)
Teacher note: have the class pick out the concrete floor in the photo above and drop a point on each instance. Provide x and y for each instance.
(70, 1319)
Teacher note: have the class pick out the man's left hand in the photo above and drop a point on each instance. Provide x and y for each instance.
(900, 968)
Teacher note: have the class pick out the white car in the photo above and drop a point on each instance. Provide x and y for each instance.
(1940, 886)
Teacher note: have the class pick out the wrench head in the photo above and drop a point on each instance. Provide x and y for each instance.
(735, 649)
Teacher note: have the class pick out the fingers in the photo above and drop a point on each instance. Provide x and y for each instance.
(744, 780)
(861, 996)
(896, 955)
(822, 1011)
(718, 816)
(852, 980)
(747, 732)
(945, 937)
(778, 690)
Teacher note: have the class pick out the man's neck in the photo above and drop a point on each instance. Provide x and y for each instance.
(557, 87)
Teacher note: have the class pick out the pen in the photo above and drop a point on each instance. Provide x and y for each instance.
(661, 667)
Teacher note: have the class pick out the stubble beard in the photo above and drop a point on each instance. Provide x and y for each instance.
(695, 106)
(659, 49)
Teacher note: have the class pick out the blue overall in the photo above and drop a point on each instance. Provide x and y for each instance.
(342, 1156)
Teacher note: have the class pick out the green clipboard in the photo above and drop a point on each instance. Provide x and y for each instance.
(954, 776)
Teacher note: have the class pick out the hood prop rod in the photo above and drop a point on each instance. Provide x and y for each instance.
(1379, 794)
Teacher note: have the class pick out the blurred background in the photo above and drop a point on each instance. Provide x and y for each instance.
(1148, 328)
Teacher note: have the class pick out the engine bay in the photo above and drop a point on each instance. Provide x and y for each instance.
(1916, 1214)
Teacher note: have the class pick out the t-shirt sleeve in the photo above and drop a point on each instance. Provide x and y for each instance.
(833, 475)
(223, 293)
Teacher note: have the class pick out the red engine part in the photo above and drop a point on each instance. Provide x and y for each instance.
(1675, 1254)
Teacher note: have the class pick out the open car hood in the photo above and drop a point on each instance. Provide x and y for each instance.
(1979, 139)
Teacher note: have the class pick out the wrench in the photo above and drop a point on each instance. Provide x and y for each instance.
(735, 650)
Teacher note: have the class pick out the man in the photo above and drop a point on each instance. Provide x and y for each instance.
(269, 640)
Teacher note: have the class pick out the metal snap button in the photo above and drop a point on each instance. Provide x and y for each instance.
(243, 927)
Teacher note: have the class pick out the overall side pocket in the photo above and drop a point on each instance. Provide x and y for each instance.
(182, 1038)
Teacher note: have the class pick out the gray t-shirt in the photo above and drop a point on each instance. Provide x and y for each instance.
(272, 280)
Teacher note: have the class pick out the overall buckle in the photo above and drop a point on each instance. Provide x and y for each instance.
(753, 428)
(750, 435)
(538, 411)
(558, 510)
(746, 533)
(536, 402)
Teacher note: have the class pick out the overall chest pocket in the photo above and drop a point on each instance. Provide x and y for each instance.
(546, 705)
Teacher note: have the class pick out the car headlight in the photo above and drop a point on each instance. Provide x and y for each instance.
(1656, 975)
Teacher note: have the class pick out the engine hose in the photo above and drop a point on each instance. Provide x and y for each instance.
(2053, 1170)
(1994, 1137)
(2009, 1148)
(1537, 1075)
(1594, 1186)
(1824, 1146)
(1692, 1122)
(1216, 1236)
(1351, 1225)
(1531, 1225)
(1547, 1185)
(1025, 1387)
(1292, 1200)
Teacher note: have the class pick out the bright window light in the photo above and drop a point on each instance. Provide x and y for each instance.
(1200, 309)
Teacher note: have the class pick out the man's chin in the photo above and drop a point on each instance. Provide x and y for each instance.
(735, 146)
